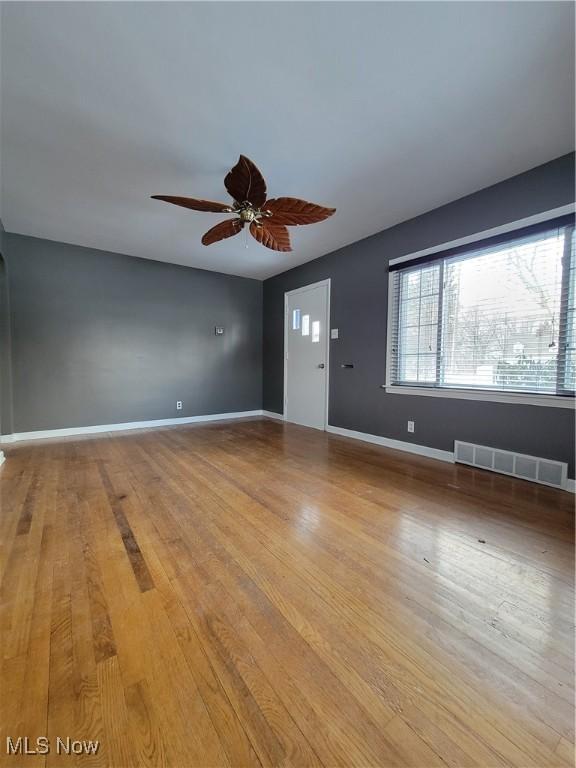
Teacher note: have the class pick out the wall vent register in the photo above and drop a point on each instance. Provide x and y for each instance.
(533, 468)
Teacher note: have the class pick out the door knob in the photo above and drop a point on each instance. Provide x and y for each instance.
(321, 365)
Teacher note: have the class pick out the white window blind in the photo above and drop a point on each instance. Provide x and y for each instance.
(498, 316)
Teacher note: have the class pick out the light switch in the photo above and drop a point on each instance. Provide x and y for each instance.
(334, 333)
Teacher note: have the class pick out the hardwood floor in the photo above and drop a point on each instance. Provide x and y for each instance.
(254, 593)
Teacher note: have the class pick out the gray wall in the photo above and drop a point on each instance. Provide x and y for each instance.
(5, 346)
(359, 275)
(101, 338)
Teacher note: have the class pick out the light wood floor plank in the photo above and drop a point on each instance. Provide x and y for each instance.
(259, 594)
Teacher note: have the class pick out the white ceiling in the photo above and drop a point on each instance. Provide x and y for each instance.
(382, 110)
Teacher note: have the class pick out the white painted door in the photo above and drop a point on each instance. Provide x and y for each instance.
(306, 353)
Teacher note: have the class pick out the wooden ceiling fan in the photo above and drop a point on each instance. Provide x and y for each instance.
(268, 219)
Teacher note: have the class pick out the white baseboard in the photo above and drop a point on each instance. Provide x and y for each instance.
(273, 415)
(398, 445)
(71, 431)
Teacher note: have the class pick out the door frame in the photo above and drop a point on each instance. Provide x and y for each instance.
(304, 289)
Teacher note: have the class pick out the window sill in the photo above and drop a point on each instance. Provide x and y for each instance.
(518, 398)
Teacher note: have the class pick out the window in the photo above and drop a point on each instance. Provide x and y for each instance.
(295, 319)
(305, 325)
(498, 316)
(315, 331)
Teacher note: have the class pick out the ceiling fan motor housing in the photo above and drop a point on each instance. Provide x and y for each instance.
(247, 213)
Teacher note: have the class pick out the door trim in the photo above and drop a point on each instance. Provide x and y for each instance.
(293, 292)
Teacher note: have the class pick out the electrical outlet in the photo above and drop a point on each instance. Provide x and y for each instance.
(410, 426)
(178, 405)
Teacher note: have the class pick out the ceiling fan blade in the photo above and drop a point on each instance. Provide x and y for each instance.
(291, 211)
(272, 236)
(195, 205)
(221, 231)
(245, 182)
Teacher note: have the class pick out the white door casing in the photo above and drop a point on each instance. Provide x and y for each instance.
(306, 355)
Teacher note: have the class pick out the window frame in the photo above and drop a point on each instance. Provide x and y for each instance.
(556, 400)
